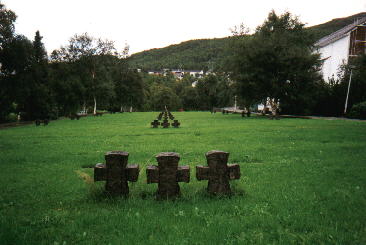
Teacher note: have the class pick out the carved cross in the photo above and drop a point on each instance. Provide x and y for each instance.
(160, 115)
(171, 117)
(155, 123)
(175, 124)
(165, 115)
(165, 123)
(116, 172)
(167, 174)
(218, 172)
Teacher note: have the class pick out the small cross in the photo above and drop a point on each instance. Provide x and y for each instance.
(175, 124)
(167, 174)
(155, 123)
(170, 115)
(116, 172)
(218, 172)
(160, 115)
(165, 123)
(165, 115)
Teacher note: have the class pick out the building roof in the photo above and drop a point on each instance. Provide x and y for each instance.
(339, 34)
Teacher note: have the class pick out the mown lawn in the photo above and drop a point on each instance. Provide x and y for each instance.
(303, 182)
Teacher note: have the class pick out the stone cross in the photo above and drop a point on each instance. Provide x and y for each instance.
(165, 115)
(175, 124)
(170, 115)
(218, 172)
(165, 123)
(167, 174)
(155, 123)
(116, 172)
(160, 115)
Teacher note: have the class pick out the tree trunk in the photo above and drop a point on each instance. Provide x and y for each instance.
(275, 107)
(95, 106)
(247, 107)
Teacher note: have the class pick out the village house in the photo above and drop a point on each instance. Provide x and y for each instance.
(179, 73)
(337, 48)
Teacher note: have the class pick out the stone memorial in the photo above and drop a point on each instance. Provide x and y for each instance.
(165, 123)
(160, 116)
(218, 172)
(165, 116)
(176, 124)
(116, 173)
(167, 175)
(155, 123)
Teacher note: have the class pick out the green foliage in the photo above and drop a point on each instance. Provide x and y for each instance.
(202, 54)
(276, 62)
(208, 54)
(7, 20)
(303, 182)
(358, 111)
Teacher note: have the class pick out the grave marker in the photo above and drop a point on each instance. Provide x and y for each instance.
(165, 123)
(155, 123)
(116, 172)
(167, 174)
(218, 172)
(175, 124)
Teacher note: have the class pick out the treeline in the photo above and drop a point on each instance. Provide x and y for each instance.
(203, 54)
(276, 65)
(209, 54)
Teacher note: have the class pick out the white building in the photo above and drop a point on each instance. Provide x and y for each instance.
(337, 48)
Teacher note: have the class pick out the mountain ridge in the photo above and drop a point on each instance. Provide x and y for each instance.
(206, 54)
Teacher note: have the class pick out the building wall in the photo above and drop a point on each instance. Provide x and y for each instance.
(335, 54)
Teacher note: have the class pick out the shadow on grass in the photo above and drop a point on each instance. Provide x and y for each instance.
(98, 194)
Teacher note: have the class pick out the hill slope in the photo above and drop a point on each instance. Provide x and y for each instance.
(206, 53)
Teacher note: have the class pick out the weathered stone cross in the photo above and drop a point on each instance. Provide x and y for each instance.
(167, 174)
(160, 115)
(165, 123)
(116, 172)
(155, 123)
(218, 172)
(175, 124)
(170, 115)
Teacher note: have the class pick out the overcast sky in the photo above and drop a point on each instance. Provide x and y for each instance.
(147, 24)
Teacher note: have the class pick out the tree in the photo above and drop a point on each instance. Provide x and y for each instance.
(34, 94)
(277, 62)
(91, 59)
(357, 92)
(161, 96)
(214, 90)
(7, 20)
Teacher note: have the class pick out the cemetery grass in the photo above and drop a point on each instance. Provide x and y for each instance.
(303, 182)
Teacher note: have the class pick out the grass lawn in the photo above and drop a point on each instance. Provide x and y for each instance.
(303, 182)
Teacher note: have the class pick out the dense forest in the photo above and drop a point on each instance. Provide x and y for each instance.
(275, 64)
(208, 54)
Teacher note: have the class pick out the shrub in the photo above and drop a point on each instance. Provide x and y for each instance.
(11, 117)
(358, 111)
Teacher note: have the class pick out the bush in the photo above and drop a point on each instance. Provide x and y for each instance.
(11, 117)
(358, 111)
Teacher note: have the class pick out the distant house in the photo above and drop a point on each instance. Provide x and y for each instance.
(337, 48)
(179, 73)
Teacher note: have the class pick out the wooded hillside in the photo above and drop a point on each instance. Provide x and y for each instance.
(207, 54)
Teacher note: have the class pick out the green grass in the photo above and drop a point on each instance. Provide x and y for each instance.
(303, 182)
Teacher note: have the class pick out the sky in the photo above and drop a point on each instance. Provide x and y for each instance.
(147, 24)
